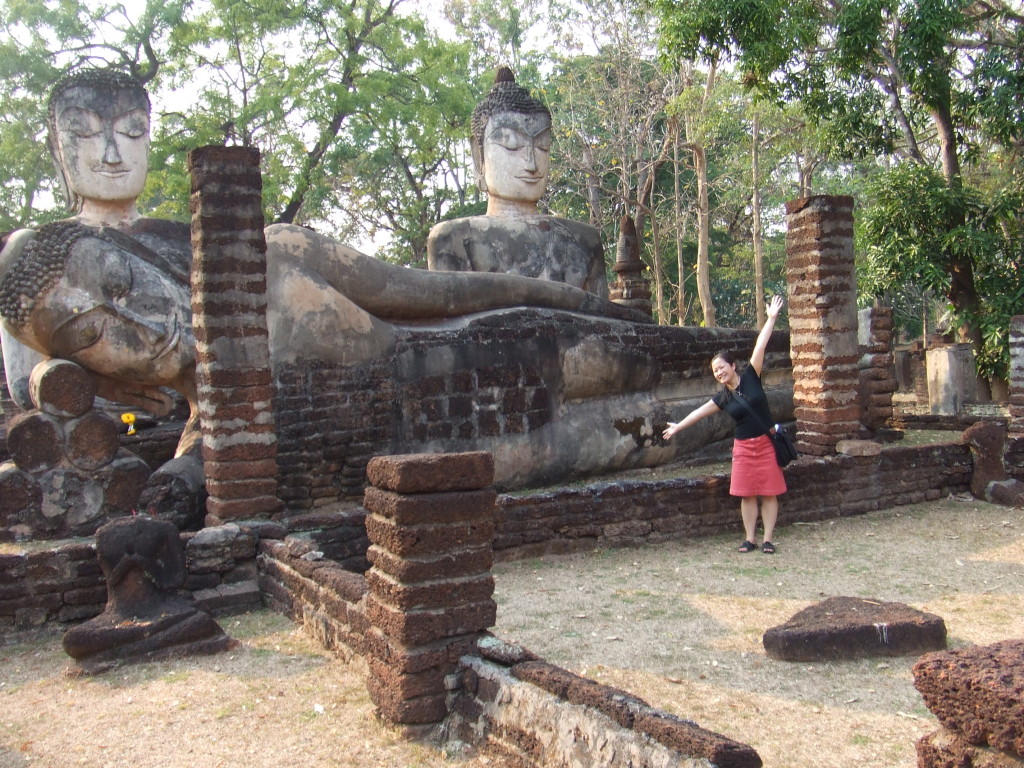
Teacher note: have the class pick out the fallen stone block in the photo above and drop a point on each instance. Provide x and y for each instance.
(854, 628)
(978, 693)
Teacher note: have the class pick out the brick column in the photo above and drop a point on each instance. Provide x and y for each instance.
(877, 367)
(431, 527)
(1013, 455)
(1016, 376)
(823, 321)
(229, 308)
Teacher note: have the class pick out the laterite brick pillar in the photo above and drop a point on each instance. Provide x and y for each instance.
(1014, 452)
(1016, 375)
(877, 368)
(823, 321)
(431, 527)
(229, 315)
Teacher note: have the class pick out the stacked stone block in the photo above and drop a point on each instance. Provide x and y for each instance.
(68, 474)
(877, 368)
(229, 310)
(1017, 376)
(431, 526)
(823, 321)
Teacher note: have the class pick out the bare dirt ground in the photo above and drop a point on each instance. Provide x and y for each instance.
(679, 625)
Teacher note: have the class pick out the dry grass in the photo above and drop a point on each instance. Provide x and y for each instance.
(680, 625)
(276, 700)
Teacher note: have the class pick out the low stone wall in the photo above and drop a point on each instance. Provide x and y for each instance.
(63, 583)
(635, 512)
(546, 715)
(327, 600)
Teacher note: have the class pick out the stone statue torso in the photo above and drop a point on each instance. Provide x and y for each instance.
(544, 247)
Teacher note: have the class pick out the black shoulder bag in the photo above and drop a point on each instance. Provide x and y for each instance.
(785, 450)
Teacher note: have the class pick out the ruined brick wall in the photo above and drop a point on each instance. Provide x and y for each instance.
(644, 512)
(320, 595)
(500, 380)
(65, 584)
(544, 715)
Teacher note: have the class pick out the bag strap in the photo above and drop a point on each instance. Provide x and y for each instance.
(760, 422)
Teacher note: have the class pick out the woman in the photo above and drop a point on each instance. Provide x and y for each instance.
(756, 476)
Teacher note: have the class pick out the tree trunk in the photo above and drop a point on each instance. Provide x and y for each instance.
(700, 164)
(755, 207)
(678, 207)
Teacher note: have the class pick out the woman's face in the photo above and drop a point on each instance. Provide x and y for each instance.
(722, 371)
(117, 315)
(103, 142)
(517, 157)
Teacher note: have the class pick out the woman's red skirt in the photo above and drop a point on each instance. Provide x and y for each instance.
(755, 470)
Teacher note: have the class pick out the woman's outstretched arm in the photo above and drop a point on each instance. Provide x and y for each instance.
(692, 418)
(757, 356)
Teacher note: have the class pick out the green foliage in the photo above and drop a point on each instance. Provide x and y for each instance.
(917, 226)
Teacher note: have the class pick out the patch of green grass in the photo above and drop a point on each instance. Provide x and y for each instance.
(176, 676)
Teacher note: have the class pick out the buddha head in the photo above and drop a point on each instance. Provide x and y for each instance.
(511, 145)
(98, 136)
(76, 293)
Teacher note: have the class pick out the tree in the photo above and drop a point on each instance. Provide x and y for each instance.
(613, 133)
(328, 92)
(41, 42)
(880, 75)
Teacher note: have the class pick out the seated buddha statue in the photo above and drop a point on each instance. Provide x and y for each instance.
(511, 145)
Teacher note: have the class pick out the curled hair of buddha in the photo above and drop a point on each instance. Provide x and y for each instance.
(104, 81)
(506, 95)
(37, 268)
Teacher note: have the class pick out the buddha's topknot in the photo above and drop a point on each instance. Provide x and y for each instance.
(506, 95)
(110, 80)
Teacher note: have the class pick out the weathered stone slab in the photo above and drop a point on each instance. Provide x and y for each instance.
(432, 473)
(978, 693)
(852, 628)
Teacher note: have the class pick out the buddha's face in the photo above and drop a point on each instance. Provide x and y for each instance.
(117, 315)
(102, 143)
(516, 156)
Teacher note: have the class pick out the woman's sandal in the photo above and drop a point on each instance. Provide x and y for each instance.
(768, 548)
(748, 546)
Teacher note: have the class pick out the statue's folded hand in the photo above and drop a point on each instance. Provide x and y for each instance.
(151, 399)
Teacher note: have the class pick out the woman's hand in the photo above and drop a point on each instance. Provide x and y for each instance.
(774, 306)
(671, 429)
